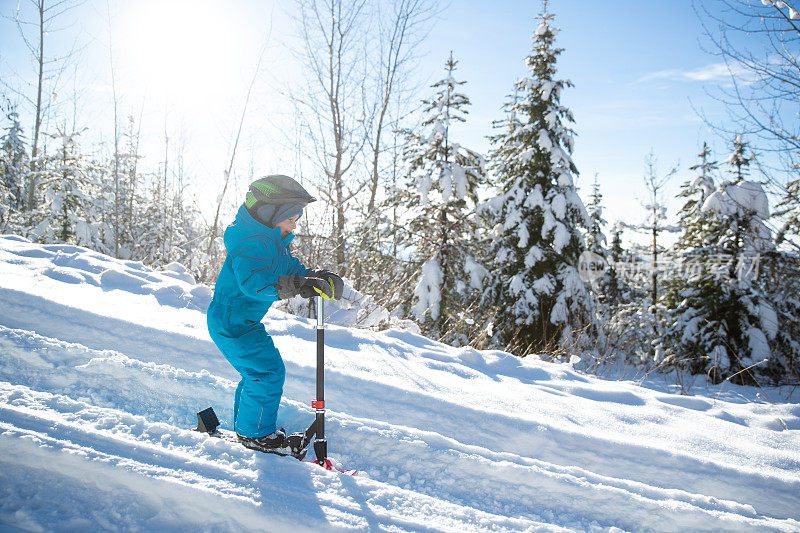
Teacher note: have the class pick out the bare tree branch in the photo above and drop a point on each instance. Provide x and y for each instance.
(229, 170)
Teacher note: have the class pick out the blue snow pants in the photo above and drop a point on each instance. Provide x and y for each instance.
(252, 353)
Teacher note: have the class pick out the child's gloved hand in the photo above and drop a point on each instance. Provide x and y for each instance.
(334, 283)
(310, 286)
(291, 286)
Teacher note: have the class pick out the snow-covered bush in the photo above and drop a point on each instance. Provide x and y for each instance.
(631, 331)
(354, 309)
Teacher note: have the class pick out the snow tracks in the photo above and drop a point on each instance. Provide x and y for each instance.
(77, 421)
(68, 463)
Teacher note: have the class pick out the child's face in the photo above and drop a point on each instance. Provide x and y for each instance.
(287, 226)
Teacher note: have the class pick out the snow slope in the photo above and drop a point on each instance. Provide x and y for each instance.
(104, 363)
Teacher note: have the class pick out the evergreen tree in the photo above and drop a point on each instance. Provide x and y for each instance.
(540, 299)
(121, 195)
(96, 170)
(780, 316)
(154, 231)
(616, 251)
(607, 288)
(13, 171)
(595, 238)
(704, 170)
(715, 304)
(443, 180)
(166, 227)
(64, 216)
(739, 160)
(696, 226)
(789, 209)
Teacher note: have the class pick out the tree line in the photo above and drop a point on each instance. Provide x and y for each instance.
(481, 250)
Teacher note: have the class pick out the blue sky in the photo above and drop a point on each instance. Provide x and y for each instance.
(638, 69)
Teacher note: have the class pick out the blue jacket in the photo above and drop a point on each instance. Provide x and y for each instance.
(246, 284)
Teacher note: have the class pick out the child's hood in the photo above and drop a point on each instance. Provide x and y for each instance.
(246, 227)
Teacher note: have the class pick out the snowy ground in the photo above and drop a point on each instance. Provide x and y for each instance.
(104, 363)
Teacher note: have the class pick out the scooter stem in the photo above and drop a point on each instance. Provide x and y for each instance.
(320, 443)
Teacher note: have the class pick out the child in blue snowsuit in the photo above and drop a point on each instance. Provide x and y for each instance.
(258, 270)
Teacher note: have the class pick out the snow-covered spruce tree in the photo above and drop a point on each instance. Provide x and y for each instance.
(704, 170)
(628, 320)
(697, 228)
(608, 287)
(13, 172)
(595, 237)
(780, 318)
(619, 291)
(542, 304)
(96, 171)
(188, 232)
(693, 294)
(156, 228)
(443, 179)
(166, 226)
(789, 209)
(64, 215)
(720, 321)
(616, 252)
(739, 161)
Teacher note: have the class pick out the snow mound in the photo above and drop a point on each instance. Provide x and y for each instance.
(174, 286)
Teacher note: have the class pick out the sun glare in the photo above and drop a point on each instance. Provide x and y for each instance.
(180, 49)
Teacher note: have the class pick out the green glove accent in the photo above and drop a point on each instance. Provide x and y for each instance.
(334, 284)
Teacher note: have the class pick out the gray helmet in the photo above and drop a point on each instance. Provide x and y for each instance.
(276, 196)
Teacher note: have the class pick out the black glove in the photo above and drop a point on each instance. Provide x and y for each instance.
(334, 282)
(291, 286)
